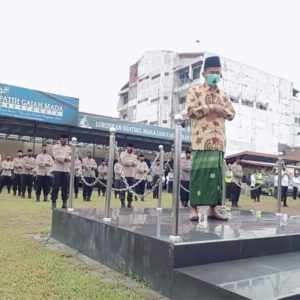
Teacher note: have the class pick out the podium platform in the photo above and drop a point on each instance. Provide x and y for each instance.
(212, 260)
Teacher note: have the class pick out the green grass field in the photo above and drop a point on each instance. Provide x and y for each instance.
(29, 270)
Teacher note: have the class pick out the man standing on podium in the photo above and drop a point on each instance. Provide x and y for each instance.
(208, 107)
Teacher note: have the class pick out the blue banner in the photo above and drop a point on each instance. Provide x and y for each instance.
(104, 123)
(39, 106)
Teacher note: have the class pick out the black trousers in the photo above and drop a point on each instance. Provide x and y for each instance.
(17, 183)
(60, 180)
(130, 181)
(155, 191)
(140, 188)
(184, 196)
(235, 193)
(253, 193)
(43, 183)
(27, 182)
(228, 190)
(170, 186)
(76, 185)
(284, 191)
(117, 185)
(257, 192)
(295, 191)
(87, 190)
(5, 180)
(101, 188)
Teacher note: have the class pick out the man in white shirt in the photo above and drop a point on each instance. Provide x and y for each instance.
(61, 170)
(284, 187)
(252, 186)
(89, 166)
(44, 163)
(7, 167)
(27, 174)
(117, 180)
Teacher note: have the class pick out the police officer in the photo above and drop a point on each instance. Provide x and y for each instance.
(155, 176)
(17, 173)
(258, 184)
(228, 181)
(102, 171)
(78, 171)
(89, 166)
(27, 174)
(117, 181)
(186, 166)
(61, 170)
(129, 162)
(44, 164)
(7, 167)
(141, 173)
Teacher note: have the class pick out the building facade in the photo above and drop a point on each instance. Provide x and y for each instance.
(267, 107)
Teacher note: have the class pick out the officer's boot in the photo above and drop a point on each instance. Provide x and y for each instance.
(76, 195)
(45, 198)
(29, 196)
(64, 205)
(122, 203)
(129, 204)
(53, 204)
(37, 198)
(15, 193)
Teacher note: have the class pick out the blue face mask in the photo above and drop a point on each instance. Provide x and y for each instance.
(213, 79)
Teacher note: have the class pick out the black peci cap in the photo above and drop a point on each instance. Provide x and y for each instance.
(212, 61)
(64, 136)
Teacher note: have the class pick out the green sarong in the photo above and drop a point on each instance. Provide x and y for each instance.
(206, 186)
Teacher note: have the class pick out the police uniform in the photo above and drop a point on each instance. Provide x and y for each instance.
(129, 162)
(155, 175)
(17, 175)
(78, 171)
(27, 175)
(141, 173)
(170, 181)
(186, 166)
(7, 167)
(88, 172)
(258, 183)
(117, 181)
(102, 174)
(44, 164)
(61, 173)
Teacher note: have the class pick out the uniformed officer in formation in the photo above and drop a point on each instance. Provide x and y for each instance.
(186, 166)
(89, 166)
(142, 170)
(44, 164)
(258, 184)
(78, 172)
(129, 162)
(102, 174)
(155, 176)
(6, 176)
(17, 173)
(228, 182)
(61, 170)
(27, 174)
(117, 179)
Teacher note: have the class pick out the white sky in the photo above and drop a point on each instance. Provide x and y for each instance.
(84, 48)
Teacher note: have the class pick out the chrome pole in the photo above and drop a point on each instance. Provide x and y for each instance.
(279, 164)
(161, 169)
(176, 179)
(72, 174)
(111, 156)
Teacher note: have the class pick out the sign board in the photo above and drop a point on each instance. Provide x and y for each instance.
(104, 123)
(36, 105)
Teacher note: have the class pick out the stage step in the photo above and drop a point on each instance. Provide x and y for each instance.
(259, 278)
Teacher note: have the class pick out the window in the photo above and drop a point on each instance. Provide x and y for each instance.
(165, 121)
(262, 106)
(143, 100)
(297, 120)
(186, 123)
(234, 99)
(125, 98)
(182, 100)
(155, 76)
(166, 73)
(154, 100)
(247, 102)
(153, 123)
(184, 75)
(166, 97)
(144, 78)
(196, 70)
